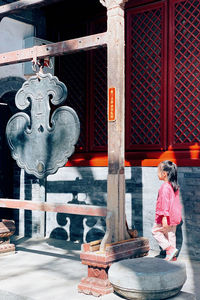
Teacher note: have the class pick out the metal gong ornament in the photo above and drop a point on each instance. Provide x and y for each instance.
(39, 142)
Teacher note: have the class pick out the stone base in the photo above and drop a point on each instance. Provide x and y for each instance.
(184, 296)
(7, 229)
(7, 249)
(147, 278)
(94, 286)
(97, 282)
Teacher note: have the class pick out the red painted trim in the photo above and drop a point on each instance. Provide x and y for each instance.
(136, 3)
(145, 159)
(181, 158)
(88, 159)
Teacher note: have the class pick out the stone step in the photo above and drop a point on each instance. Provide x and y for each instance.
(147, 278)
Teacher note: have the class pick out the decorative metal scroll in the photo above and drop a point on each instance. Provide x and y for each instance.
(39, 142)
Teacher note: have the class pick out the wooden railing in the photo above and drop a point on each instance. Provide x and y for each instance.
(77, 209)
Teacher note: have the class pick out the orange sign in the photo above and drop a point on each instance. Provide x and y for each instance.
(111, 104)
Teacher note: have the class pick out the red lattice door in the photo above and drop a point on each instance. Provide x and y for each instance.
(184, 117)
(98, 132)
(73, 72)
(98, 88)
(85, 75)
(146, 77)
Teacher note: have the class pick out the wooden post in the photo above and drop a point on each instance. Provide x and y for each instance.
(121, 247)
(116, 228)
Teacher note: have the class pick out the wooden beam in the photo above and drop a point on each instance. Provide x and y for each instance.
(88, 210)
(55, 49)
(16, 7)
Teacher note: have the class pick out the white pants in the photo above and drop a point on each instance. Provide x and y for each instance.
(166, 239)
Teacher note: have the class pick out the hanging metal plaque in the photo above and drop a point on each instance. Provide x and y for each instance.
(41, 143)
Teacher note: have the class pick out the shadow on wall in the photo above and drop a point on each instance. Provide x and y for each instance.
(189, 187)
(134, 209)
(81, 187)
(83, 190)
(80, 228)
(69, 227)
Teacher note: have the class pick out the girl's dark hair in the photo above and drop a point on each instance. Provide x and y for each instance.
(171, 169)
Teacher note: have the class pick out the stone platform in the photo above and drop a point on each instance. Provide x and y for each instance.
(97, 282)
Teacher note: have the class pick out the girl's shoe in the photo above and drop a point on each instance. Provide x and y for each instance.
(174, 258)
(171, 253)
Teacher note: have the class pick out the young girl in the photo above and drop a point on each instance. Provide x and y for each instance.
(168, 209)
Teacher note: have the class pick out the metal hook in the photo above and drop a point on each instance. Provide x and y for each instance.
(34, 60)
(34, 66)
(50, 63)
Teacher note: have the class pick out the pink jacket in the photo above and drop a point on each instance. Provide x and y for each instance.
(168, 205)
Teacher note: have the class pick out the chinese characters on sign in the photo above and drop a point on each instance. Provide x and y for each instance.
(111, 106)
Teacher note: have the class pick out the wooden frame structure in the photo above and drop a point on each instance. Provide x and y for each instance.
(114, 40)
(56, 49)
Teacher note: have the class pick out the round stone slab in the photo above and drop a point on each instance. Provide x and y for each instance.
(147, 278)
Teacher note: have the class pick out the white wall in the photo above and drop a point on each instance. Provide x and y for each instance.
(12, 34)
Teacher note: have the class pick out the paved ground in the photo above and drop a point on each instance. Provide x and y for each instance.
(51, 269)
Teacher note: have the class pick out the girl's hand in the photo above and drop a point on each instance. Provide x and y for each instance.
(164, 224)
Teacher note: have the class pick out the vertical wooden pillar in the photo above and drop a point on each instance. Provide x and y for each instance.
(116, 120)
(119, 245)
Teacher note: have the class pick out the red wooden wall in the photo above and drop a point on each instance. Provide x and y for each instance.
(162, 85)
(163, 81)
